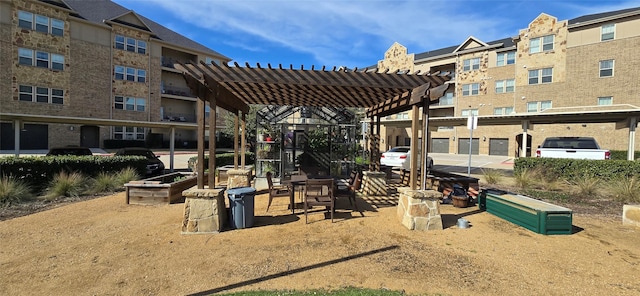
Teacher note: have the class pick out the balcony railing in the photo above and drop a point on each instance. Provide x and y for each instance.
(168, 62)
(177, 91)
(180, 117)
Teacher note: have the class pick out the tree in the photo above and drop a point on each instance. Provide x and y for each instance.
(229, 120)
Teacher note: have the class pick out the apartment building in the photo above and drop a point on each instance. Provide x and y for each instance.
(589, 63)
(93, 59)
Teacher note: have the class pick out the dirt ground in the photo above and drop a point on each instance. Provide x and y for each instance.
(103, 246)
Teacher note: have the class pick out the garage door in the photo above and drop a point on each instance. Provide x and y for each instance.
(463, 146)
(440, 145)
(499, 146)
(32, 137)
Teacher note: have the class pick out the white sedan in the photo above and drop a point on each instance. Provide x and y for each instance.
(400, 156)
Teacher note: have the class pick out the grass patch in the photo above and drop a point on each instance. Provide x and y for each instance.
(492, 176)
(126, 175)
(13, 191)
(340, 292)
(66, 185)
(625, 189)
(105, 182)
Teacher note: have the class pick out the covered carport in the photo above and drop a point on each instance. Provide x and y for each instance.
(233, 88)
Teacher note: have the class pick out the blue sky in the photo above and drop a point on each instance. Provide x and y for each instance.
(353, 33)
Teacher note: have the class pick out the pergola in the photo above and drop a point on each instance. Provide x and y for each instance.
(234, 88)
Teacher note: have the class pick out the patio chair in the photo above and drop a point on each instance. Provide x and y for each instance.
(319, 192)
(277, 190)
(350, 190)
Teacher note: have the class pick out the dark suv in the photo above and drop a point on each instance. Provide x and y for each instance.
(69, 150)
(154, 165)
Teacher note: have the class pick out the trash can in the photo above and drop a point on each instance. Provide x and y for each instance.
(241, 204)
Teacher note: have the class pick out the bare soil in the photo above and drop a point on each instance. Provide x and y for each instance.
(102, 246)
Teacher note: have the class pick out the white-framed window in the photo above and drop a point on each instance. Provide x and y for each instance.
(538, 106)
(129, 103)
(209, 61)
(141, 104)
(502, 110)
(605, 101)
(42, 23)
(506, 58)
(540, 76)
(128, 133)
(471, 64)
(606, 68)
(57, 61)
(25, 93)
(119, 72)
(469, 112)
(41, 95)
(141, 75)
(131, 74)
(131, 44)
(57, 27)
(142, 47)
(119, 42)
(25, 56)
(42, 59)
(541, 44)
(472, 89)
(446, 100)
(607, 32)
(25, 19)
(118, 102)
(505, 86)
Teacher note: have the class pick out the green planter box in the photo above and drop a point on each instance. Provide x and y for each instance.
(535, 215)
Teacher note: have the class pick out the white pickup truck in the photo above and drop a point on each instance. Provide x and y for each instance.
(572, 147)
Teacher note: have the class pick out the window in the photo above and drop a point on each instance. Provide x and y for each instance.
(118, 102)
(26, 93)
(503, 111)
(119, 72)
(470, 89)
(128, 133)
(607, 32)
(42, 23)
(131, 74)
(209, 60)
(469, 112)
(471, 64)
(25, 56)
(541, 76)
(119, 42)
(42, 95)
(606, 68)
(541, 44)
(142, 47)
(142, 75)
(57, 62)
(130, 104)
(506, 58)
(140, 104)
(446, 100)
(602, 101)
(505, 86)
(57, 27)
(131, 44)
(403, 115)
(538, 106)
(42, 59)
(57, 96)
(25, 19)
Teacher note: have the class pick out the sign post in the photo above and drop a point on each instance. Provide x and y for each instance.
(472, 123)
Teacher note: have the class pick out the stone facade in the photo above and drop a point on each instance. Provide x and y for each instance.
(239, 178)
(419, 209)
(204, 211)
(576, 85)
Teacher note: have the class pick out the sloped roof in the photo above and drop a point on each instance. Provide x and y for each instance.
(596, 16)
(97, 11)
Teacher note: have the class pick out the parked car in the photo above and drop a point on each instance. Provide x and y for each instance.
(154, 165)
(69, 150)
(400, 156)
(572, 147)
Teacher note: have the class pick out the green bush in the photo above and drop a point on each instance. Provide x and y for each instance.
(572, 169)
(13, 191)
(622, 154)
(222, 159)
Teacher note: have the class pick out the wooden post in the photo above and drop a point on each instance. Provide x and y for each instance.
(212, 140)
(200, 136)
(235, 140)
(244, 140)
(413, 175)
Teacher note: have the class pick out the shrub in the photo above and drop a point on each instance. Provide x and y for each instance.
(125, 176)
(625, 189)
(104, 182)
(525, 178)
(66, 185)
(492, 176)
(585, 186)
(13, 191)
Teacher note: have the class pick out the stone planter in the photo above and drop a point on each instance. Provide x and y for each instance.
(163, 189)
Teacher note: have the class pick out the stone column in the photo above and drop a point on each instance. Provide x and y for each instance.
(374, 183)
(204, 211)
(239, 178)
(419, 209)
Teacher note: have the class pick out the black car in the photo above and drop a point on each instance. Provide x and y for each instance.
(69, 150)
(154, 164)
